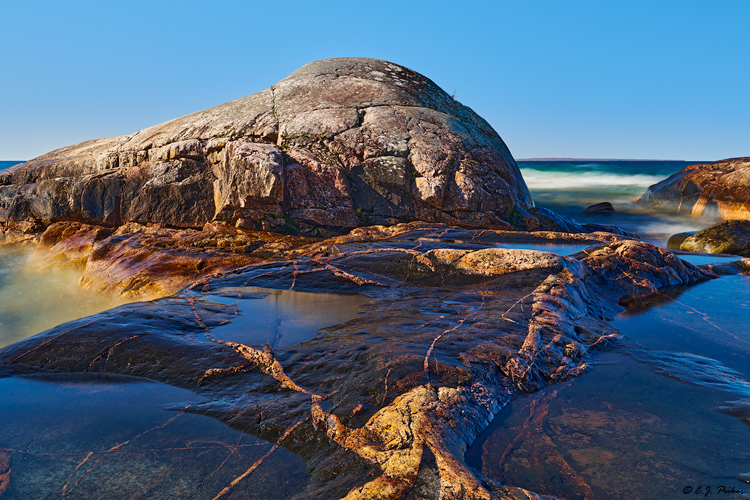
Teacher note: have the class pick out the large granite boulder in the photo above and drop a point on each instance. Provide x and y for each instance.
(338, 144)
(721, 188)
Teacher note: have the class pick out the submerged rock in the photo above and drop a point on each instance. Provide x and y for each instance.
(387, 403)
(728, 237)
(339, 143)
(718, 188)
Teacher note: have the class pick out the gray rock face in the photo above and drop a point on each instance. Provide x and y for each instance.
(338, 144)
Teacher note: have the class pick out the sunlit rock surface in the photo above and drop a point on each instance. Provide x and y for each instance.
(727, 237)
(340, 143)
(718, 188)
(384, 405)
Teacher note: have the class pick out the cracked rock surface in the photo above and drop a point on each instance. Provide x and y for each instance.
(340, 143)
(384, 405)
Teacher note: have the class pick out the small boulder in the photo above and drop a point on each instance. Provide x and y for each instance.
(729, 236)
(717, 188)
(674, 241)
(604, 208)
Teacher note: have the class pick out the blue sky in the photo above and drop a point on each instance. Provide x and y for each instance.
(596, 79)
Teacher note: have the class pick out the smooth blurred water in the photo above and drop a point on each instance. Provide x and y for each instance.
(33, 300)
(567, 187)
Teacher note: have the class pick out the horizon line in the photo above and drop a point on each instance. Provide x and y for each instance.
(595, 159)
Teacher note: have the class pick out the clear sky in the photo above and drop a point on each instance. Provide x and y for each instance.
(561, 78)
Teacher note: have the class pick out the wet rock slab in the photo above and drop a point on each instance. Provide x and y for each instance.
(385, 404)
(622, 432)
(103, 436)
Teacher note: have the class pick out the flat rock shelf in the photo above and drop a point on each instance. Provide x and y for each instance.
(439, 329)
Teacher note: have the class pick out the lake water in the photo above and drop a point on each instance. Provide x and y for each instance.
(567, 187)
(33, 300)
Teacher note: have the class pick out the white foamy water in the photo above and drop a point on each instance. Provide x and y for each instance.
(568, 187)
(33, 300)
(540, 179)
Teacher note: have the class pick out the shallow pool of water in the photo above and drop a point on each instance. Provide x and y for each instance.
(645, 422)
(707, 259)
(282, 318)
(83, 436)
(620, 431)
(33, 300)
(709, 319)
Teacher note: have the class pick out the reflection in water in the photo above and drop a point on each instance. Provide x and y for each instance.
(33, 300)
(86, 437)
(707, 259)
(709, 320)
(282, 318)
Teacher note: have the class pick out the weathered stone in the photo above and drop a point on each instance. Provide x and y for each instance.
(721, 188)
(4, 471)
(674, 241)
(338, 144)
(730, 237)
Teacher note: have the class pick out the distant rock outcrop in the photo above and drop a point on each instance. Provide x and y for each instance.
(721, 188)
(338, 144)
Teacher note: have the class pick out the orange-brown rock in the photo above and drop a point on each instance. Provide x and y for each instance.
(728, 237)
(137, 261)
(720, 188)
(4, 471)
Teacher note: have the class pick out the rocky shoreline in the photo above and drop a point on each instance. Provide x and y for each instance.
(462, 327)
(351, 176)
